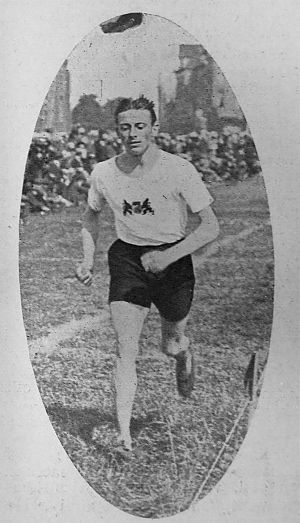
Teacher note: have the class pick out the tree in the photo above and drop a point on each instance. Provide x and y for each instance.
(87, 112)
(108, 113)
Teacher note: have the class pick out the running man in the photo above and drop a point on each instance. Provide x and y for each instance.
(149, 191)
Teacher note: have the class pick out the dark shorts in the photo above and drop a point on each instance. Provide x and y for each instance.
(171, 290)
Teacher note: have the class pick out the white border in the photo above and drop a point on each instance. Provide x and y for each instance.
(255, 44)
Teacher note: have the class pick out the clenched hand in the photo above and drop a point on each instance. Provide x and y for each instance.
(155, 261)
(84, 275)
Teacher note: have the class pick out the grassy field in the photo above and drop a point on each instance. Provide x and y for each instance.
(176, 440)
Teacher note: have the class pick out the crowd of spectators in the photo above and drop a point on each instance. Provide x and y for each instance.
(59, 165)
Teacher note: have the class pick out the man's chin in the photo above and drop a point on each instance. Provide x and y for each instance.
(135, 151)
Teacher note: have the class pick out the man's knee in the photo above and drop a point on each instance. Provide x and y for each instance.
(172, 345)
(127, 349)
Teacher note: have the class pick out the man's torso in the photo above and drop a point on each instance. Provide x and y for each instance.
(148, 204)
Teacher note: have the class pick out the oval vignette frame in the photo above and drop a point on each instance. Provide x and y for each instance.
(43, 400)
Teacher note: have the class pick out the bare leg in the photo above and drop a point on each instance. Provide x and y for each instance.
(128, 322)
(173, 337)
(176, 344)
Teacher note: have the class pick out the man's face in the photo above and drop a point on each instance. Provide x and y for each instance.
(135, 130)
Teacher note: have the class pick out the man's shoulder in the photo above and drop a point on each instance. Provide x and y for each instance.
(103, 168)
(175, 161)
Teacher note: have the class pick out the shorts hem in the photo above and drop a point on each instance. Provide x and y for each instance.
(111, 300)
(176, 319)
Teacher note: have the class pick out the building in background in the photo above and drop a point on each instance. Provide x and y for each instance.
(203, 97)
(55, 113)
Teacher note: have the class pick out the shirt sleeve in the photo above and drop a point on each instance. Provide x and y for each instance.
(193, 189)
(95, 194)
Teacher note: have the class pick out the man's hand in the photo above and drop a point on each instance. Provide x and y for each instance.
(155, 261)
(84, 275)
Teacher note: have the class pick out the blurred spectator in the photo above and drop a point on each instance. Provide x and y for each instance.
(101, 153)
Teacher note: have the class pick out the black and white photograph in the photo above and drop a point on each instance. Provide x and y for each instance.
(149, 361)
(146, 265)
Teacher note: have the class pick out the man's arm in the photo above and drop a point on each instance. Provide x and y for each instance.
(89, 233)
(206, 232)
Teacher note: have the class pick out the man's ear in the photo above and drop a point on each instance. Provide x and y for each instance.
(155, 129)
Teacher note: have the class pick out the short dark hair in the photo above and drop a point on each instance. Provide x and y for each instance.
(125, 104)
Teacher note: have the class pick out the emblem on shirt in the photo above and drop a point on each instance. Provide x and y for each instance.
(137, 207)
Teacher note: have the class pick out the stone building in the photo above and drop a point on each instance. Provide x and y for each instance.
(55, 113)
(203, 97)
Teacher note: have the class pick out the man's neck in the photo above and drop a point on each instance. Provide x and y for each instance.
(128, 162)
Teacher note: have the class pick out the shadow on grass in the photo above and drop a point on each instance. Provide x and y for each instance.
(82, 422)
(78, 422)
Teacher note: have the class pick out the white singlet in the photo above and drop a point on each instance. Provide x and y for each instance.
(150, 207)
